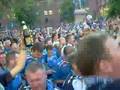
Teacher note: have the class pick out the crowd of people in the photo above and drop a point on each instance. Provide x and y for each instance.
(87, 60)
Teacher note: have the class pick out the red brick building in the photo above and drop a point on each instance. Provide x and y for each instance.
(50, 16)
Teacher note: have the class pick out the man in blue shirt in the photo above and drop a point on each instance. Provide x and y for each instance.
(37, 78)
(10, 64)
(37, 54)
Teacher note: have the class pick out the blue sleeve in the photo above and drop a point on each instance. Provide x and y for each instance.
(43, 59)
(15, 83)
(5, 78)
(56, 52)
(50, 85)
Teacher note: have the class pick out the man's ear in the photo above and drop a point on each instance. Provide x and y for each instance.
(75, 68)
(46, 74)
(105, 67)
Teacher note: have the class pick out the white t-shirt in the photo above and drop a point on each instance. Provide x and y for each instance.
(78, 84)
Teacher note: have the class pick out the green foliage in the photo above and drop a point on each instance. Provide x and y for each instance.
(114, 10)
(67, 11)
(6, 3)
(4, 7)
(25, 12)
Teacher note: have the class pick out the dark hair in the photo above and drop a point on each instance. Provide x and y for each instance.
(47, 39)
(90, 51)
(15, 40)
(49, 47)
(68, 37)
(39, 46)
(68, 50)
(53, 35)
(59, 35)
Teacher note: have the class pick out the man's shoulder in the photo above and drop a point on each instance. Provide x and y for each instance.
(115, 85)
(97, 83)
(87, 83)
(24, 85)
(51, 85)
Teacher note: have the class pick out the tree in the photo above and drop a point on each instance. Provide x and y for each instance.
(24, 10)
(4, 7)
(67, 11)
(114, 10)
(6, 3)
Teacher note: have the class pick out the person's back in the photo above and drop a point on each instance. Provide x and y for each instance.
(61, 67)
(36, 55)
